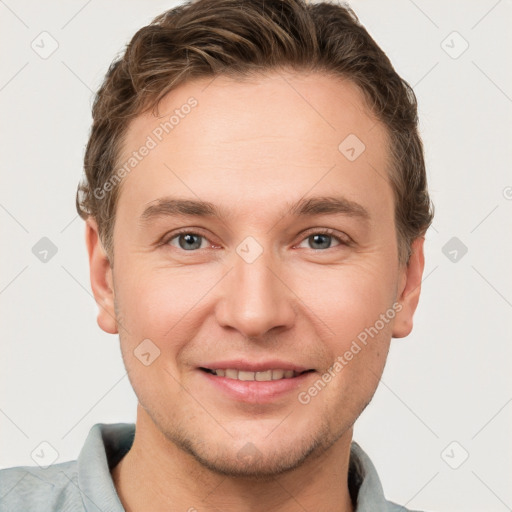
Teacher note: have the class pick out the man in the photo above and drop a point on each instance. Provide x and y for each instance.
(255, 203)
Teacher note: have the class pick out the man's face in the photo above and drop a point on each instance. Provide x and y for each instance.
(260, 287)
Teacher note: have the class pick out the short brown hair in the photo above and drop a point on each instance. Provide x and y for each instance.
(205, 38)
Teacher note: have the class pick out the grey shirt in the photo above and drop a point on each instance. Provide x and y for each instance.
(85, 484)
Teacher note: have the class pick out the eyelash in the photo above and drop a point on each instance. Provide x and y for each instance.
(320, 231)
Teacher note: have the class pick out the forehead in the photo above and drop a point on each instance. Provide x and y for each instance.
(267, 138)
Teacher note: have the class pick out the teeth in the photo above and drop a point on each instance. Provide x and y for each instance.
(264, 376)
(232, 374)
(277, 374)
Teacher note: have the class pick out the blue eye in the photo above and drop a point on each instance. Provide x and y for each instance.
(190, 241)
(323, 239)
(187, 240)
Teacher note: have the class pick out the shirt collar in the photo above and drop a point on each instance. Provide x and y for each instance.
(107, 444)
(364, 483)
(104, 447)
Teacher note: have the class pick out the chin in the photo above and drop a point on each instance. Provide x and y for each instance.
(243, 459)
(251, 463)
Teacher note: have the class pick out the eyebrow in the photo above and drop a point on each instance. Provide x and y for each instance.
(305, 207)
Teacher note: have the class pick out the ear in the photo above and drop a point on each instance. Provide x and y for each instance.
(101, 278)
(409, 289)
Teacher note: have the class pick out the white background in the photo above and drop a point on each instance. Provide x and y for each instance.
(450, 380)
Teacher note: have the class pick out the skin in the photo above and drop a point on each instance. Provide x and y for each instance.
(252, 147)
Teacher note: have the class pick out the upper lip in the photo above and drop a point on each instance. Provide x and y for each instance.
(254, 366)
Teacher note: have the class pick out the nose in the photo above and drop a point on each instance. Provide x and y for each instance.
(256, 298)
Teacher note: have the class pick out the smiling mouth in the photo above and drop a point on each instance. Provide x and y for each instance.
(263, 376)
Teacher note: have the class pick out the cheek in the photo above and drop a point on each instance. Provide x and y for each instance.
(347, 299)
(156, 308)
(356, 305)
(161, 301)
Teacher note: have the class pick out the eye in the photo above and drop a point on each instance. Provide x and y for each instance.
(322, 239)
(187, 240)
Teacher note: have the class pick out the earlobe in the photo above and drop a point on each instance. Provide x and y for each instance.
(409, 291)
(101, 278)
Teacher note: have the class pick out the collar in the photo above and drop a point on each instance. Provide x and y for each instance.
(107, 444)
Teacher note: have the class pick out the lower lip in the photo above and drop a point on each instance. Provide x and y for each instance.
(252, 391)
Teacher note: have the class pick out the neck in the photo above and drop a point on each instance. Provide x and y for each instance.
(157, 475)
